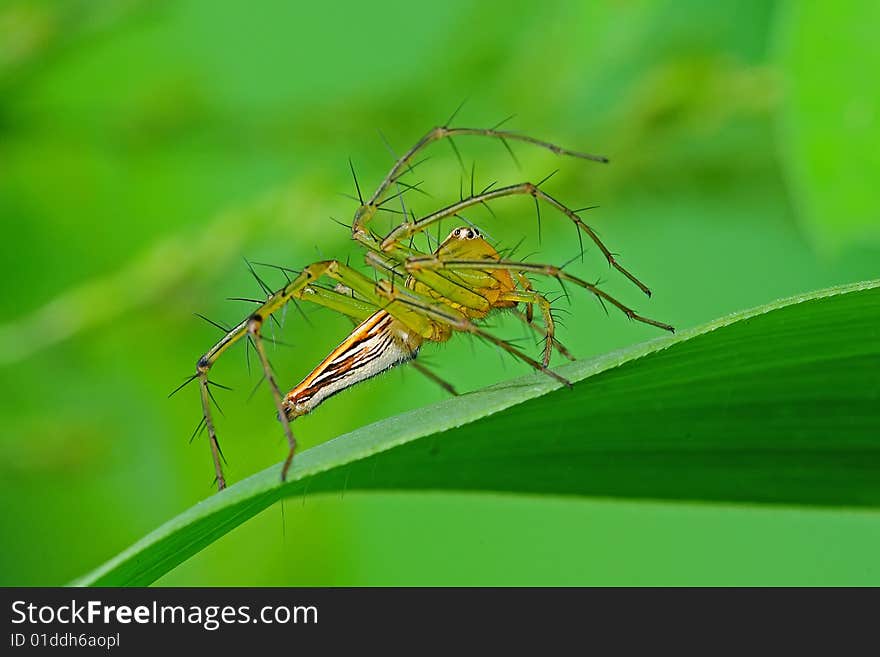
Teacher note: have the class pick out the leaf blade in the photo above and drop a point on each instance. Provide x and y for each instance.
(766, 370)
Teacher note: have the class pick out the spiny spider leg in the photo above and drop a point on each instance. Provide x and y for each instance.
(365, 287)
(461, 294)
(406, 230)
(561, 348)
(367, 211)
(444, 132)
(452, 290)
(527, 318)
(531, 297)
(427, 373)
(432, 262)
(205, 395)
(464, 325)
(526, 284)
(254, 325)
(334, 269)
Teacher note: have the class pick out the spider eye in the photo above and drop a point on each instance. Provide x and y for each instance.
(470, 234)
(477, 233)
(457, 232)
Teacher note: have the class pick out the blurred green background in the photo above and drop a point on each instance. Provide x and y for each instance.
(146, 147)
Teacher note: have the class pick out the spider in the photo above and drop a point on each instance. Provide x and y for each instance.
(428, 297)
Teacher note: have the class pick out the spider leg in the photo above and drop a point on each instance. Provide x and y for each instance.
(254, 325)
(447, 286)
(405, 231)
(561, 348)
(445, 132)
(298, 288)
(457, 291)
(273, 303)
(433, 262)
(426, 372)
(205, 395)
(535, 298)
(367, 211)
(458, 322)
(526, 284)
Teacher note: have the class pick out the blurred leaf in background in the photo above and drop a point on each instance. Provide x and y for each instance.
(145, 148)
(830, 144)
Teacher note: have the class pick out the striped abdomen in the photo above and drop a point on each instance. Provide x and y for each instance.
(377, 344)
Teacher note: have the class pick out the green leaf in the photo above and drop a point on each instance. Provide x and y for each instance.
(830, 65)
(779, 404)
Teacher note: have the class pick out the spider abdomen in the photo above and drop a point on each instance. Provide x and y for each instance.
(379, 343)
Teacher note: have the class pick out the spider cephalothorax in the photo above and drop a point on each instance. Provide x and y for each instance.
(424, 297)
